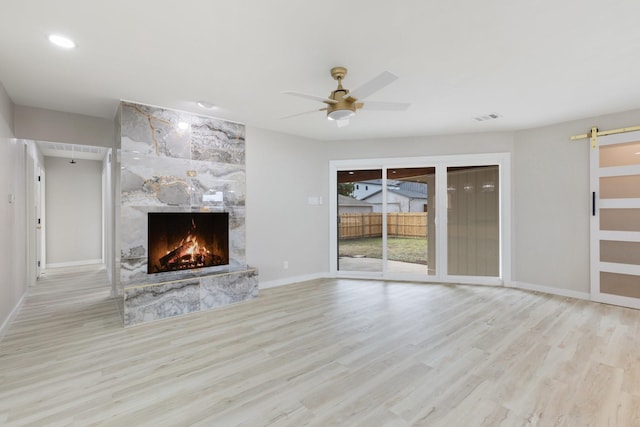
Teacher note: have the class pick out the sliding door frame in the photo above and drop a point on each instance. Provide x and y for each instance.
(503, 160)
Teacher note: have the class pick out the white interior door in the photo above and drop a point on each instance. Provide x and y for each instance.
(39, 196)
(615, 220)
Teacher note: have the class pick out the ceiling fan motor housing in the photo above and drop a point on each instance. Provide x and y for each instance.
(344, 108)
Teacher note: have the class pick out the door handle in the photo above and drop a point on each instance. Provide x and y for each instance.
(593, 203)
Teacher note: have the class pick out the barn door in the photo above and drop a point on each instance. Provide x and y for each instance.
(615, 219)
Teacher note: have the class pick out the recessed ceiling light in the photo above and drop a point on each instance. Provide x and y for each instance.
(206, 105)
(62, 41)
(183, 125)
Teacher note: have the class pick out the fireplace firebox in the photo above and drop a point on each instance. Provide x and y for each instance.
(187, 240)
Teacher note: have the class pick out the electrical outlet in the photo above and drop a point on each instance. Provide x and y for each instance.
(285, 265)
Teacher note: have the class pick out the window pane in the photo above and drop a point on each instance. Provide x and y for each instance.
(627, 219)
(620, 154)
(625, 285)
(620, 252)
(359, 220)
(620, 187)
(473, 237)
(410, 215)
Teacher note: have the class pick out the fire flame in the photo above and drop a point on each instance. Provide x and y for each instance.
(192, 248)
(192, 251)
(188, 247)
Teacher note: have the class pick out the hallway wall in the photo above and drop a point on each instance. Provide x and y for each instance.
(39, 124)
(12, 215)
(74, 211)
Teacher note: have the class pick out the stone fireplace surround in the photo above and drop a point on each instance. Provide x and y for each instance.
(172, 161)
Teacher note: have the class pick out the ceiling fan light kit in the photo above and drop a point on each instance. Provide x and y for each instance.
(342, 105)
(341, 114)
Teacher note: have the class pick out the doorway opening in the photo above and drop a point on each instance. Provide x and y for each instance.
(70, 212)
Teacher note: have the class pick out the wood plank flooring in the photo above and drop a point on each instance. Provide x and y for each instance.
(322, 353)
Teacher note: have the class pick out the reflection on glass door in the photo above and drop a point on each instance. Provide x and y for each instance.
(410, 220)
(615, 223)
(359, 221)
(473, 221)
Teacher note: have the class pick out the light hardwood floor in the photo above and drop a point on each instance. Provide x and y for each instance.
(322, 353)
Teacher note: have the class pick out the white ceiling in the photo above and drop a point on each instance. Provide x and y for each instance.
(532, 62)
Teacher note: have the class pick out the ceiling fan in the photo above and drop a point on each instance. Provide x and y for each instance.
(343, 104)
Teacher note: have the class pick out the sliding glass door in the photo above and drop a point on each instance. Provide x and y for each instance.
(410, 215)
(436, 218)
(473, 221)
(359, 221)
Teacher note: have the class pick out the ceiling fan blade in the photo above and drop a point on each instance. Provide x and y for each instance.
(312, 97)
(385, 106)
(342, 123)
(303, 113)
(373, 85)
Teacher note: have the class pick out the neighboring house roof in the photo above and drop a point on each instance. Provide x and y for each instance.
(402, 187)
(417, 187)
(406, 193)
(373, 194)
(350, 201)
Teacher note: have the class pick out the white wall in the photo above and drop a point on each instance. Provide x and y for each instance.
(420, 146)
(39, 124)
(13, 284)
(551, 203)
(283, 171)
(74, 211)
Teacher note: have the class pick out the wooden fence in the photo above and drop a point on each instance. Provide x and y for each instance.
(359, 225)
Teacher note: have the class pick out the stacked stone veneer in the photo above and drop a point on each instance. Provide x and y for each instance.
(170, 161)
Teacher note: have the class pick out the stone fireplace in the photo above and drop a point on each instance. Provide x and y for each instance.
(181, 214)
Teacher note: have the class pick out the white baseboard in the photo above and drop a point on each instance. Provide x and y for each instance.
(74, 263)
(550, 290)
(292, 280)
(7, 322)
(518, 285)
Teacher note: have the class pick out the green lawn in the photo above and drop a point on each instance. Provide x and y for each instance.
(404, 249)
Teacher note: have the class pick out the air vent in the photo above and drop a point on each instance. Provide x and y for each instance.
(485, 117)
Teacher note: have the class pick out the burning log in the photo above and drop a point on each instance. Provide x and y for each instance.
(176, 253)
